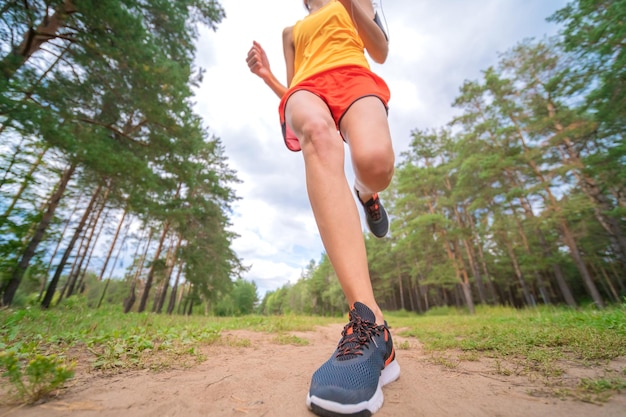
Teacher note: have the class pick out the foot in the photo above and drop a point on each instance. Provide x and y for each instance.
(376, 216)
(350, 382)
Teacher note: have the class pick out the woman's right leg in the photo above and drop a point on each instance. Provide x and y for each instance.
(331, 197)
(350, 381)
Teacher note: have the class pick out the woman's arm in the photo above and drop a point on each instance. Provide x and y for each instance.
(260, 66)
(289, 51)
(374, 39)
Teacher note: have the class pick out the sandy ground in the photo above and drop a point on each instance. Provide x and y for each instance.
(271, 379)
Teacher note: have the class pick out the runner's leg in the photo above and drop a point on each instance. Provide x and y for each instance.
(331, 196)
(366, 129)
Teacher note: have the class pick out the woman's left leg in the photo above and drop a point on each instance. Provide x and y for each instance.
(366, 130)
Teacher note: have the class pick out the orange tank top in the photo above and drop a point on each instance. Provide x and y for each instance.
(326, 39)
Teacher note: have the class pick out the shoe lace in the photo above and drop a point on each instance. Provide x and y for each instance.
(356, 336)
(373, 208)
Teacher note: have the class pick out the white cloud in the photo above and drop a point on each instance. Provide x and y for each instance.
(434, 47)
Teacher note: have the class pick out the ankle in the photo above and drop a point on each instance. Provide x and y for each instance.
(378, 314)
(364, 197)
(371, 304)
(380, 318)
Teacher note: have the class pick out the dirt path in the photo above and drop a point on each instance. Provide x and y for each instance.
(271, 379)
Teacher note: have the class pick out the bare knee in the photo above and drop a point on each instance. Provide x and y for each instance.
(319, 138)
(375, 169)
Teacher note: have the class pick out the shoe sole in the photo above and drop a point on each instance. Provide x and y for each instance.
(325, 408)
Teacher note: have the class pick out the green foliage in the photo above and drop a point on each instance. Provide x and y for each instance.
(111, 340)
(111, 88)
(241, 300)
(286, 339)
(532, 342)
(519, 199)
(594, 31)
(587, 335)
(116, 291)
(32, 377)
(599, 390)
(39, 346)
(114, 340)
(316, 292)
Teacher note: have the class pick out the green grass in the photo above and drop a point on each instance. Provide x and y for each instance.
(539, 343)
(288, 339)
(51, 344)
(42, 349)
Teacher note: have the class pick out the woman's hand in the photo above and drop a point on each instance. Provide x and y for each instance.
(258, 62)
(260, 65)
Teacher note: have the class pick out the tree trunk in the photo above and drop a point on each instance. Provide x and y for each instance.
(132, 297)
(73, 278)
(112, 247)
(146, 289)
(47, 299)
(401, 289)
(190, 305)
(587, 279)
(164, 284)
(182, 301)
(130, 300)
(12, 161)
(621, 281)
(34, 38)
(168, 276)
(412, 306)
(538, 278)
(460, 271)
(18, 273)
(590, 187)
(493, 296)
(468, 251)
(26, 180)
(172, 303)
(117, 255)
(566, 292)
(608, 285)
(567, 235)
(530, 301)
(465, 282)
(44, 280)
(81, 280)
(108, 258)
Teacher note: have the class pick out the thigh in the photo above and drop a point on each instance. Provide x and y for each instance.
(366, 129)
(306, 114)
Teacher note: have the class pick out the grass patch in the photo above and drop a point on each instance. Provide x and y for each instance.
(534, 342)
(41, 347)
(598, 390)
(446, 361)
(289, 339)
(34, 378)
(237, 342)
(403, 345)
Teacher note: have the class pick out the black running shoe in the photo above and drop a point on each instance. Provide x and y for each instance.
(376, 216)
(350, 382)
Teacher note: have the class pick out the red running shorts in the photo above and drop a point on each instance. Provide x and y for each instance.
(339, 88)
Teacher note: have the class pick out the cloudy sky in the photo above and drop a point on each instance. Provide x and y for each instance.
(434, 47)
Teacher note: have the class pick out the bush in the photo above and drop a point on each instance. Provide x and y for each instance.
(30, 379)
